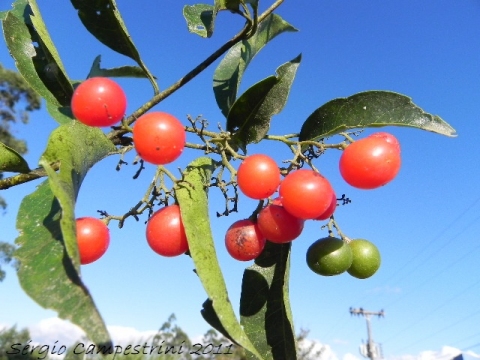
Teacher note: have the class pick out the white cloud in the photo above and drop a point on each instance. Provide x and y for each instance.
(349, 356)
(54, 330)
(446, 353)
(50, 330)
(470, 355)
(324, 352)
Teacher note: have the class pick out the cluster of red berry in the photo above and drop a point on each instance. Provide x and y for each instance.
(158, 137)
(303, 194)
(306, 195)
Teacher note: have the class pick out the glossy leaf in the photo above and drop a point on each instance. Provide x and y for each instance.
(265, 306)
(370, 109)
(103, 20)
(229, 73)
(49, 265)
(251, 114)
(199, 19)
(12, 161)
(249, 104)
(35, 55)
(192, 197)
(122, 71)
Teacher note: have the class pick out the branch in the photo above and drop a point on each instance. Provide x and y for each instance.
(193, 73)
(177, 85)
(116, 135)
(23, 178)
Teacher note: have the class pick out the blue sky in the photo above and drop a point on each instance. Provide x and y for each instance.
(425, 223)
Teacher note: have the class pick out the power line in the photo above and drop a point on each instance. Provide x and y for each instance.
(428, 246)
(434, 310)
(468, 338)
(471, 346)
(433, 240)
(441, 330)
(446, 267)
(435, 275)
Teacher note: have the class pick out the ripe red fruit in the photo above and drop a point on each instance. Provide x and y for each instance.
(93, 238)
(258, 176)
(99, 101)
(330, 210)
(244, 240)
(306, 194)
(159, 138)
(388, 138)
(370, 162)
(278, 225)
(165, 232)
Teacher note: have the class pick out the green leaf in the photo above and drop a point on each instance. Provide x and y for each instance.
(103, 20)
(247, 128)
(12, 161)
(122, 71)
(229, 73)
(46, 273)
(370, 109)
(265, 306)
(192, 197)
(199, 19)
(252, 112)
(35, 55)
(211, 317)
(232, 5)
(61, 114)
(78, 147)
(49, 265)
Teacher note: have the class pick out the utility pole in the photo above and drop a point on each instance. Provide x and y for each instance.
(372, 350)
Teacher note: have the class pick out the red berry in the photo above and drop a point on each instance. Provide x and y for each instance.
(278, 225)
(258, 176)
(159, 138)
(370, 162)
(330, 210)
(99, 101)
(388, 138)
(165, 232)
(306, 194)
(93, 238)
(244, 240)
